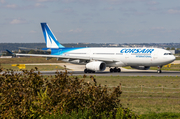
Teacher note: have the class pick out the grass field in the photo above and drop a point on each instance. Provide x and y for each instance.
(172, 67)
(7, 63)
(28, 60)
(145, 95)
(142, 95)
(177, 58)
(175, 67)
(29, 67)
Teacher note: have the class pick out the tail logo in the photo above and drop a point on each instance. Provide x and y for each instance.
(50, 39)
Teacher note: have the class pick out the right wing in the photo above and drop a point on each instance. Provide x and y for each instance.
(35, 49)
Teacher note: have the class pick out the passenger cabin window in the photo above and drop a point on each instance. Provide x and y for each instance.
(168, 54)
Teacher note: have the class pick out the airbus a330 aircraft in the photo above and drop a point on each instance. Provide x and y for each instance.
(98, 58)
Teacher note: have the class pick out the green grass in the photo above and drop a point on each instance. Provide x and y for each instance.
(7, 63)
(152, 102)
(28, 60)
(87, 114)
(175, 67)
(177, 58)
(166, 115)
(158, 94)
(29, 67)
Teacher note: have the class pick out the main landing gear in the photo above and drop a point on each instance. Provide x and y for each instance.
(111, 70)
(88, 71)
(115, 70)
(159, 69)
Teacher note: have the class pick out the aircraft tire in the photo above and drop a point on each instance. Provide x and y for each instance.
(115, 70)
(118, 70)
(85, 71)
(159, 71)
(89, 71)
(111, 70)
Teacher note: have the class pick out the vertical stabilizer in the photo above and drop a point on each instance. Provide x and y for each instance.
(50, 39)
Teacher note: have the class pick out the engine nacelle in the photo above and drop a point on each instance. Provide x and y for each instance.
(96, 66)
(141, 67)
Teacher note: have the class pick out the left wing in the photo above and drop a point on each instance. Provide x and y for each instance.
(69, 57)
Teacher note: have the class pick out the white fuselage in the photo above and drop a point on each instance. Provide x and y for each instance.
(118, 57)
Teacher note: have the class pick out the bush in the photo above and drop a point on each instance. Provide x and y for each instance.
(31, 95)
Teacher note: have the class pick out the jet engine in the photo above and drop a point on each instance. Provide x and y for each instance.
(96, 66)
(141, 67)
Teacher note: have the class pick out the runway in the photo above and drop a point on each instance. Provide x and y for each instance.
(124, 73)
(107, 73)
(79, 70)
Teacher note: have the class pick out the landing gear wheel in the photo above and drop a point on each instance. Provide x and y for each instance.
(88, 71)
(118, 70)
(85, 70)
(111, 70)
(115, 70)
(159, 71)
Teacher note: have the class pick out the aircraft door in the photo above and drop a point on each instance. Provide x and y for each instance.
(155, 55)
(127, 58)
(90, 54)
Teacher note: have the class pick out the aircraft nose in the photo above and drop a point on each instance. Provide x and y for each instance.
(173, 58)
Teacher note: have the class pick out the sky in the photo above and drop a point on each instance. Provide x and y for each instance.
(91, 21)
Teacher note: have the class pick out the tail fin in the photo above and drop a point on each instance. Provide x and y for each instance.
(9, 52)
(50, 39)
(12, 54)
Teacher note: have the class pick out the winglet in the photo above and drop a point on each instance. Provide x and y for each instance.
(50, 39)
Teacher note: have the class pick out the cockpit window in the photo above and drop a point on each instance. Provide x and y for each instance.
(168, 54)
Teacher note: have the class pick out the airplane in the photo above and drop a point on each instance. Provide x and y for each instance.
(97, 59)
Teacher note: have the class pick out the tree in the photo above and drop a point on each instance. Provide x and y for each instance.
(31, 52)
(172, 48)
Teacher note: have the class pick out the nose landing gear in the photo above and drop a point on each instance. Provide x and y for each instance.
(115, 70)
(159, 69)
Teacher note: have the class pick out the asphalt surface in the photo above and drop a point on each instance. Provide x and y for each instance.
(123, 73)
(79, 70)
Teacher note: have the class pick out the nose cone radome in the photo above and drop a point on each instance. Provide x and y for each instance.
(168, 59)
(172, 58)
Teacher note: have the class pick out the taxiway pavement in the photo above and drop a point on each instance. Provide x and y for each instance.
(123, 73)
(79, 70)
